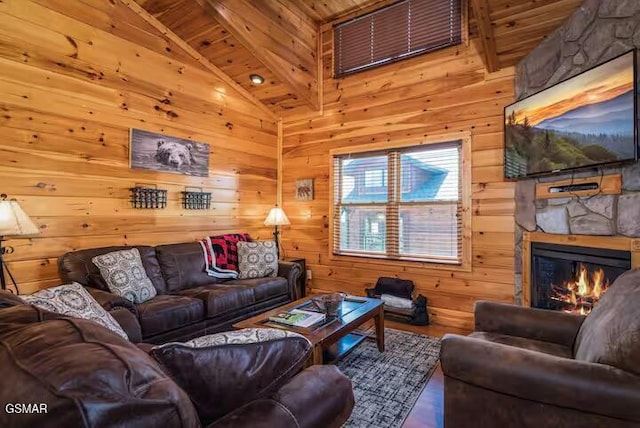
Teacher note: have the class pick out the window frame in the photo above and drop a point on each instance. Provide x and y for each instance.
(465, 200)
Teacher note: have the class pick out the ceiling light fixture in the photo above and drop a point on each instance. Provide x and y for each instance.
(256, 79)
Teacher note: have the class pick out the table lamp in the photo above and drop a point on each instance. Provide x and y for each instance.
(13, 223)
(276, 218)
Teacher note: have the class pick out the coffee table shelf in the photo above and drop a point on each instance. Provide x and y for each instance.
(335, 338)
(342, 347)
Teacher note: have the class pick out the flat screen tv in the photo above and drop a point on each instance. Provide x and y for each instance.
(585, 121)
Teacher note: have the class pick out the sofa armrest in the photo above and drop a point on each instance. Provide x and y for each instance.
(128, 322)
(27, 314)
(122, 310)
(292, 272)
(110, 301)
(538, 324)
(8, 299)
(224, 371)
(542, 378)
(320, 396)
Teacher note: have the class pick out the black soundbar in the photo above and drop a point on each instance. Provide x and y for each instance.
(573, 187)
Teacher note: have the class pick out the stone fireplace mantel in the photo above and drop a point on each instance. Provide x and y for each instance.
(598, 31)
(604, 242)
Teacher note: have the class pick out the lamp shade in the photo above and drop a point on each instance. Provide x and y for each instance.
(276, 217)
(14, 221)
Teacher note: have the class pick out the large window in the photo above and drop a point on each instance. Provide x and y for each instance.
(396, 32)
(401, 203)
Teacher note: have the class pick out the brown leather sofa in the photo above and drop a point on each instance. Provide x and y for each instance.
(64, 372)
(189, 303)
(524, 367)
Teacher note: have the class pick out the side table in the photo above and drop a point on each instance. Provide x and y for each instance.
(302, 281)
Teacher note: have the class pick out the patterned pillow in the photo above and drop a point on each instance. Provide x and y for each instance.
(236, 337)
(257, 259)
(225, 249)
(74, 301)
(125, 275)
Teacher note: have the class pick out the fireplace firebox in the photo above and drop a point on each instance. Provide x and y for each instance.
(572, 279)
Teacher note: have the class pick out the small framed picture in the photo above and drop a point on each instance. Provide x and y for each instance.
(304, 189)
(157, 152)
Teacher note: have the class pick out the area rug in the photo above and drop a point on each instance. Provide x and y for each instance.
(386, 385)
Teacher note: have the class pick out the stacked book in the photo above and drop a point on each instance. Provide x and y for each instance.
(298, 318)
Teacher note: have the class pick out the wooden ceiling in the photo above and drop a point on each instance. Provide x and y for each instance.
(277, 39)
(517, 26)
(329, 10)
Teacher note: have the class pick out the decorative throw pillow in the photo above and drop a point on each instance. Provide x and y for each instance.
(125, 275)
(236, 337)
(74, 301)
(225, 250)
(257, 259)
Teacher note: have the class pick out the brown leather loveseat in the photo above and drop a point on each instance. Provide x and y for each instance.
(524, 367)
(189, 302)
(58, 371)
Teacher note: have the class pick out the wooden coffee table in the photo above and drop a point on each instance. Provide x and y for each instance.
(334, 338)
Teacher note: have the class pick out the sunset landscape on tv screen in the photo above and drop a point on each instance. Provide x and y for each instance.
(584, 121)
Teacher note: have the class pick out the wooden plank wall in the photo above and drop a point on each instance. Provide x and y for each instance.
(436, 93)
(76, 75)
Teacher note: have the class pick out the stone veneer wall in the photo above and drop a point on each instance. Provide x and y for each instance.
(598, 31)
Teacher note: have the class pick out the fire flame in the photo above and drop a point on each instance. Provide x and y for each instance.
(583, 292)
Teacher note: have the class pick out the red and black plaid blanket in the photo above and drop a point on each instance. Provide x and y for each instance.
(221, 254)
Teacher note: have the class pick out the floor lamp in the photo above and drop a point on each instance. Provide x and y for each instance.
(276, 218)
(13, 223)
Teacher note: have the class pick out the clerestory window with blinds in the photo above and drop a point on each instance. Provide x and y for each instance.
(396, 32)
(401, 203)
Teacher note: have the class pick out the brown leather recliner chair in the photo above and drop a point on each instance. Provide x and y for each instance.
(57, 371)
(527, 367)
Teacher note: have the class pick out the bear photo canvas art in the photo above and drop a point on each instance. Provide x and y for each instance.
(304, 189)
(158, 152)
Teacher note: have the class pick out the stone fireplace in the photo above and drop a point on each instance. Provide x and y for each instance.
(571, 273)
(572, 278)
(598, 31)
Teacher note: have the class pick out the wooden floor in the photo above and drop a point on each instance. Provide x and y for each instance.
(428, 412)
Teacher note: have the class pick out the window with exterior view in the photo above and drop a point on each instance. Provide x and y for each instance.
(403, 203)
(402, 30)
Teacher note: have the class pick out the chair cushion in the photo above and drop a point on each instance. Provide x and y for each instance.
(125, 275)
(611, 332)
(257, 259)
(263, 288)
(524, 343)
(74, 301)
(167, 312)
(183, 266)
(77, 267)
(219, 300)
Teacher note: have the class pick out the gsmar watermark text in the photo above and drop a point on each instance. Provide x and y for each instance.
(25, 408)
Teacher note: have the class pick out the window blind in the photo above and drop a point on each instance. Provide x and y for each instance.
(400, 204)
(402, 30)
